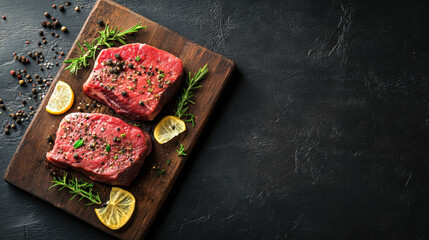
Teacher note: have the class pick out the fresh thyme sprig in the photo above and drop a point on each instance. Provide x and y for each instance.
(77, 187)
(185, 98)
(181, 151)
(107, 38)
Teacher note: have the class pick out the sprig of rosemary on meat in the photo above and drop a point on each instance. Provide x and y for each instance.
(185, 98)
(77, 187)
(107, 38)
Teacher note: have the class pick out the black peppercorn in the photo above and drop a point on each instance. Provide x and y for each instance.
(2, 106)
(100, 22)
(130, 65)
(23, 102)
(123, 93)
(47, 14)
(19, 120)
(6, 131)
(117, 56)
(34, 91)
(13, 116)
(141, 103)
(13, 125)
(75, 156)
(61, 8)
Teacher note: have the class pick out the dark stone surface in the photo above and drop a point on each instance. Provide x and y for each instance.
(323, 132)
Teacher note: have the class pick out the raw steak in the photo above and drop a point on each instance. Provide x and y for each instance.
(136, 80)
(112, 151)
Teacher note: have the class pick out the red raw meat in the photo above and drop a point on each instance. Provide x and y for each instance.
(136, 80)
(112, 152)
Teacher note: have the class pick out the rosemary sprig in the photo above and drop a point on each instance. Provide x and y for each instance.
(107, 38)
(185, 98)
(181, 151)
(77, 187)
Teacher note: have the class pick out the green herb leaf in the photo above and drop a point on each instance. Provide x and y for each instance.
(162, 75)
(160, 172)
(181, 151)
(108, 148)
(78, 144)
(122, 135)
(138, 58)
(168, 162)
(115, 157)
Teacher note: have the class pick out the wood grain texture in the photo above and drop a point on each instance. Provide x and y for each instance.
(29, 171)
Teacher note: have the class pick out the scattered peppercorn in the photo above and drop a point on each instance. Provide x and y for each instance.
(13, 115)
(1, 100)
(47, 14)
(64, 29)
(123, 93)
(117, 56)
(54, 6)
(6, 131)
(13, 125)
(23, 102)
(61, 8)
(21, 82)
(19, 120)
(28, 76)
(13, 73)
(68, 3)
(141, 103)
(2, 106)
(56, 24)
(76, 9)
(34, 91)
(100, 22)
(75, 156)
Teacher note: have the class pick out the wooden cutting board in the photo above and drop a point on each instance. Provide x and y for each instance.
(30, 171)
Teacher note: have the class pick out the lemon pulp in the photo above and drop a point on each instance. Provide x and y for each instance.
(61, 99)
(118, 210)
(168, 128)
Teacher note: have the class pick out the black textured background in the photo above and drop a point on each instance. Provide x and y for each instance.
(322, 133)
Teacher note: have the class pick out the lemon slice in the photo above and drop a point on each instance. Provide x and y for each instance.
(119, 209)
(168, 128)
(61, 99)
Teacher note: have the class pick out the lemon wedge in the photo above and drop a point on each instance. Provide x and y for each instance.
(168, 128)
(118, 210)
(61, 99)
